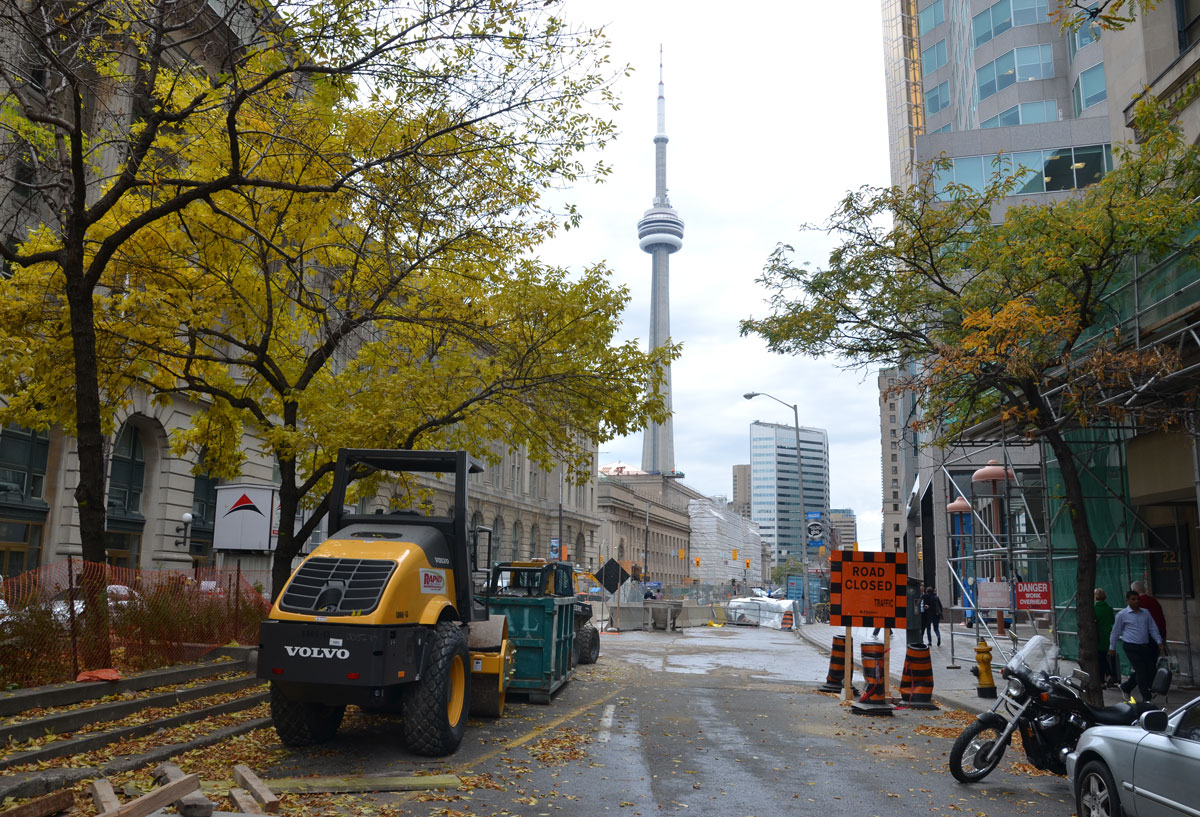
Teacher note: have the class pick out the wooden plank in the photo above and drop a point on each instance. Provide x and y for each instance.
(249, 780)
(243, 802)
(350, 785)
(43, 806)
(193, 804)
(152, 801)
(104, 796)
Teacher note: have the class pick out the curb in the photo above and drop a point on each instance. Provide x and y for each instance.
(47, 781)
(22, 700)
(74, 720)
(98, 740)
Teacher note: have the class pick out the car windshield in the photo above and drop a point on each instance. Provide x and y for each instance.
(1037, 656)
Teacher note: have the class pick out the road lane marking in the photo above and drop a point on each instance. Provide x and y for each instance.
(606, 723)
(554, 724)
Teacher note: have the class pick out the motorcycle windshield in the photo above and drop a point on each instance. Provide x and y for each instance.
(1037, 656)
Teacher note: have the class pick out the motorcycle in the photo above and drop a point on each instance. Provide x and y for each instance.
(1048, 710)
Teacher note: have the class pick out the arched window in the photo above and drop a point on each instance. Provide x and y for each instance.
(126, 481)
(515, 543)
(498, 536)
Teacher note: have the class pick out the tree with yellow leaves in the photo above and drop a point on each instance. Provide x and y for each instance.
(121, 116)
(1006, 320)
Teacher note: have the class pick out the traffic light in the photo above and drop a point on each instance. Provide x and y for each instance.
(747, 564)
(735, 554)
(681, 554)
(697, 561)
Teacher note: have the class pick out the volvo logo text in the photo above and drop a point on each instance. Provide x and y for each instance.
(317, 652)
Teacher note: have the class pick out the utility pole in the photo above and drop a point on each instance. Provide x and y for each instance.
(646, 548)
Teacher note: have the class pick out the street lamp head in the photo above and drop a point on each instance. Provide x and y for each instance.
(750, 395)
(187, 518)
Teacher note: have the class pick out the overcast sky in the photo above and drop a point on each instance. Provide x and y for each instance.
(774, 110)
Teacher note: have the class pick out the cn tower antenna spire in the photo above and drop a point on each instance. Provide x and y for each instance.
(660, 233)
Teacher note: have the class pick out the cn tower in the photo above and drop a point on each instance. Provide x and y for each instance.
(660, 233)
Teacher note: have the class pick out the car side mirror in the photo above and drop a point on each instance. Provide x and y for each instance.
(1154, 721)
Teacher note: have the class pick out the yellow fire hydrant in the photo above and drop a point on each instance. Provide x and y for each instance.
(983, 670)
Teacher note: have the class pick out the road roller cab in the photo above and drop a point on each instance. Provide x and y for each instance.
(382, 615)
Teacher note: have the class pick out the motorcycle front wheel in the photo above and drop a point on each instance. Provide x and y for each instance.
(969, 758)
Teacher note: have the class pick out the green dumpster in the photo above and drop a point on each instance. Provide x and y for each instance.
(542, 630)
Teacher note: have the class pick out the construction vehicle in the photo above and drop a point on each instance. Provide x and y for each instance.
(383, 615)
(550, 627)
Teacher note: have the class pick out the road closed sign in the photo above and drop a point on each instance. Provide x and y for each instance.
(868, 589)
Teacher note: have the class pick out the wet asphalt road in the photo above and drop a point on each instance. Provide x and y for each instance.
(722, 722)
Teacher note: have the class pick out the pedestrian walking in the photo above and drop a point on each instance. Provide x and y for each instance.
(1151, 606)
(931, 615)
(1105, 618)
(1135, 628)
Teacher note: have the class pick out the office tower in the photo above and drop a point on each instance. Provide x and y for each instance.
(775, 500)
(741, 490)
(843, 526)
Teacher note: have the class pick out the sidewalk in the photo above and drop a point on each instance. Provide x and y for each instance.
(954, 686)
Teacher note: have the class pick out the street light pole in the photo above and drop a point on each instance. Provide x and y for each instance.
(646, 549)
(795, 407)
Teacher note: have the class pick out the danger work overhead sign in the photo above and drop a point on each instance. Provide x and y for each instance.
(868, 589)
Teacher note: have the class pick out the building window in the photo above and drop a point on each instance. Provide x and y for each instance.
(937, 99)
(1027, 113)
(931, 17)
(1089, 89)
(204, 513)
(895, 526)
(991, 22)
(933, 57)
(893, 457)
(1039, 171)
(20, 542)
(1035, 62)
(1019, 65)
(127, 474)
(1086, 34)
(1030, 12)
(23, 456)
(1188, 14)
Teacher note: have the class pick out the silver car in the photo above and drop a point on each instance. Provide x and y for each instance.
(1148, 770)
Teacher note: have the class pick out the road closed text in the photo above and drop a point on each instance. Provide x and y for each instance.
(869, 578)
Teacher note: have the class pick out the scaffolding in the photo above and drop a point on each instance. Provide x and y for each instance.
(999, 531)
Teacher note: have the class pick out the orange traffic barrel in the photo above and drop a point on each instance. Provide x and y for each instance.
(836, 677)
(872, 701)
(788, 621)
(916, 681)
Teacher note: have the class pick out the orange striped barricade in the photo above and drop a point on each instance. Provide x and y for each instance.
(788, 621)
(836, 677)
(916, 681)
(872, 701)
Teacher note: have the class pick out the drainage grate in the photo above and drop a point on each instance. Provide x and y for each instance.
(337, 586)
